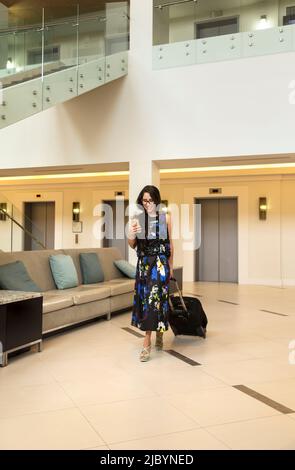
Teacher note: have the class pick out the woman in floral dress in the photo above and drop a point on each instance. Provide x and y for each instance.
(153, 242)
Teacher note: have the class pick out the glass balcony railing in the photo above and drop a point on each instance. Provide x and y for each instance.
(51, 55)
(20, 44)
(196, 31)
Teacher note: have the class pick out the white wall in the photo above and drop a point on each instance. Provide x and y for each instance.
(226, 108)
(288, 231)
(264, 236)
(5, 230)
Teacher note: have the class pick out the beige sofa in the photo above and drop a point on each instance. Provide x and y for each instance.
(62, 308)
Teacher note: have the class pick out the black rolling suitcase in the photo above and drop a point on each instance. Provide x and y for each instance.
(186, 315)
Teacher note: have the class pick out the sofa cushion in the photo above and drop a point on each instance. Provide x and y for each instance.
(37, 264)
(91, 268)
(84, 296)
(14, 276)
(121, 287)
(63, 271)
(53, 302)
(118, 286)
(126, 268)
(84, 293)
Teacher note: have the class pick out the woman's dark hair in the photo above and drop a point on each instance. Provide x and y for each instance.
(153, 192)
(155, 196)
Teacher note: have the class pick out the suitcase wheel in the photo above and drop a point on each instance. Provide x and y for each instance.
(201, 332)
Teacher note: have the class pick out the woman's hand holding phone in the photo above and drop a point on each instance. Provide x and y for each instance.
(134, 228)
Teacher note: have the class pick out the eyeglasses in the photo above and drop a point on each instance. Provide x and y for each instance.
(147, 201)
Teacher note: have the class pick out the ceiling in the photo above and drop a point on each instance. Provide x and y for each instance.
(184, 166)
(30, 11)
(205, 8)
(54, 3)
(102, 167)
(226, 161)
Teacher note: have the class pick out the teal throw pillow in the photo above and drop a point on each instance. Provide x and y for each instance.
(91, 268)
(126, 268)
(63, 271)
(14, 276)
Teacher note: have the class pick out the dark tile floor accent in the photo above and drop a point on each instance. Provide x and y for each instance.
(274, 313)
(227, 302)
(133, 332)
(267, 401)
(183, 358)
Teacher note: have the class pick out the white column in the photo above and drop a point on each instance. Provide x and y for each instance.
(141, 31)
(141, 173)
(143, 170)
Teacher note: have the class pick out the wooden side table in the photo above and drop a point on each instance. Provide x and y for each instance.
(20, 322)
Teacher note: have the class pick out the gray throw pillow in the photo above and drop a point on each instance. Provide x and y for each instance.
(63, 271)
(126, 268)
(91, 268)
(14, 276)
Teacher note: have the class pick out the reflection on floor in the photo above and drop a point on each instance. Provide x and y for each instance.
(88, 383)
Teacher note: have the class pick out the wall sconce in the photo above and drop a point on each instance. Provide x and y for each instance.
(3, 211)
(164, 205)
(76, 211)
(262, 208)
(263, 22)
(9, 64)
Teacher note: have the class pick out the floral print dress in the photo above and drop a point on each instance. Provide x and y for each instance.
(151, 290)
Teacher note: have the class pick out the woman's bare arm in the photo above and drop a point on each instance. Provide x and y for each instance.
(132, 242)
(133, 230)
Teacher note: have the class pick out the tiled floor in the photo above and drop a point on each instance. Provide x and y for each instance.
(88, 390)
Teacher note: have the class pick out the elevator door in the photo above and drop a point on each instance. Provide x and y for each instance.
(117, 224)
(217, 257)
(39, 221)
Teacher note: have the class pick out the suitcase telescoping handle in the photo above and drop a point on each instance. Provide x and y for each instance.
(180, 296)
